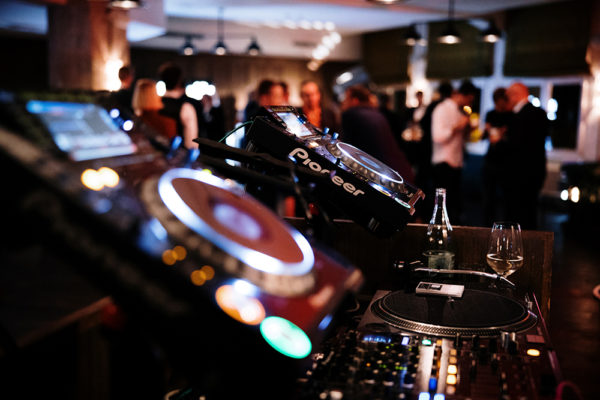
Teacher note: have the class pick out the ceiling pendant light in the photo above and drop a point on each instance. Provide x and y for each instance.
(188, 48)
(449, 34)
(492, 34)
(254, 48)
(125, 4)
(220, 48)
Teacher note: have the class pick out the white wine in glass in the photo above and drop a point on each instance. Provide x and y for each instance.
(505, 251)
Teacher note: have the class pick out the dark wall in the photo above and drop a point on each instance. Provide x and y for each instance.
(25, 62)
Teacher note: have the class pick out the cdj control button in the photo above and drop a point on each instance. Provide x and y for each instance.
(533, 352)
(433, 384)
(451, 380)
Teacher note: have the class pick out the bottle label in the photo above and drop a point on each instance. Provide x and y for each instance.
(439, 259)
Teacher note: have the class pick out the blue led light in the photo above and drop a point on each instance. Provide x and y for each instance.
(405, 341)
(439, 396)
(376, 339)
(325, 322)
(432, 384)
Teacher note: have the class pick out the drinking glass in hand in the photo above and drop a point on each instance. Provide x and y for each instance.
(505, 252)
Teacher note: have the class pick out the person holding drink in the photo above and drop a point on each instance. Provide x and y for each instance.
(496, 123)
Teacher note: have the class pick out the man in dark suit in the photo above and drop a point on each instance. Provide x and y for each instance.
(367, 129)
(526, 158)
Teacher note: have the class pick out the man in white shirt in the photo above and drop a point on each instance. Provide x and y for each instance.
(449, 127)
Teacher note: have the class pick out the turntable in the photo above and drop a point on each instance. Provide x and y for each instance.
(441, 316)
(360, 186)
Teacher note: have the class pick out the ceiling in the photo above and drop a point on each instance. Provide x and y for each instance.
(284, 28)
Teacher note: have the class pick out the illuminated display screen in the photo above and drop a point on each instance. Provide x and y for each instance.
(82, 130)
(294, 125)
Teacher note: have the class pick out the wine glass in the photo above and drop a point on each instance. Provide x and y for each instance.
(505, 251)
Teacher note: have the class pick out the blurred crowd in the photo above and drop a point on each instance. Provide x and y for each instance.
(425, 143)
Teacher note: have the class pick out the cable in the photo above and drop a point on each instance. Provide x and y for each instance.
(233, 130)
(567, 384)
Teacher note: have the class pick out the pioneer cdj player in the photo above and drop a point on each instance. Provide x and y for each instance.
(232, 292)
(362, 187)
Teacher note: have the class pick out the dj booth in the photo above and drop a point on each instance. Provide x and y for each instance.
(241, 302)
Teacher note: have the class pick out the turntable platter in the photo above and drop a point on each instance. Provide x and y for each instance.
(366, 165)
(248, 239)
(466, 316)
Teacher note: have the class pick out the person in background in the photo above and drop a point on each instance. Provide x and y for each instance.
(178, 106)
(525, 162)
(393, 118)
(496, 123)
(449, 128)
(424, 179)
(267, 93)
(286, 92)
(147, 104)
(123, 96)
(214, 118)
(320, 115)
(367, 129)
(271, 93)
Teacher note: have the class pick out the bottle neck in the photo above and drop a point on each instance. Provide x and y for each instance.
(440, 214)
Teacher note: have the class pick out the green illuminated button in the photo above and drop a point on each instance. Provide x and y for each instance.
(426, 342)
(285, 337)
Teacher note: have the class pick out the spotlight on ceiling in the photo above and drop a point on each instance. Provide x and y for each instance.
(188, 48)
(492, 34)
(254, 48)
(220, 49)
(125, 4)
(449, 34)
